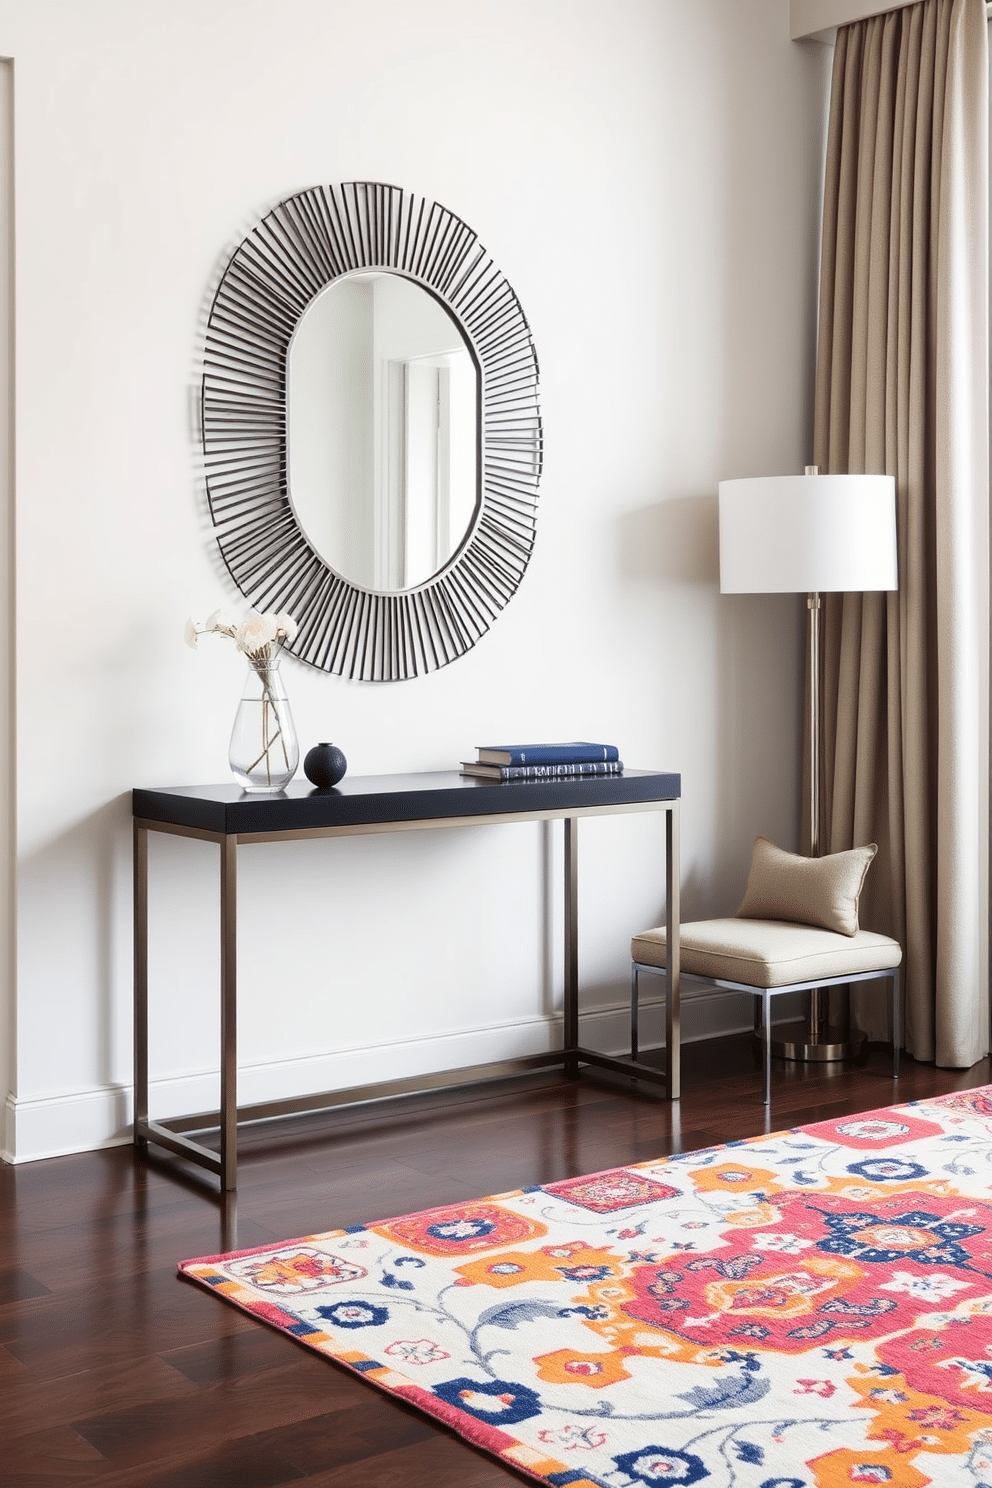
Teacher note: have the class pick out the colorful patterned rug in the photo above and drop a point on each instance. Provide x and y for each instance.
(806, 1310)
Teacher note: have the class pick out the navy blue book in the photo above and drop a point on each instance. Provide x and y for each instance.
(547, 754)
(573, 771)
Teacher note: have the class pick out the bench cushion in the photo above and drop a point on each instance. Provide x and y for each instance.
(809, 891)
(768, 953)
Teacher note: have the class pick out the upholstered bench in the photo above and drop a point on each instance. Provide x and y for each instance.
(767, 950)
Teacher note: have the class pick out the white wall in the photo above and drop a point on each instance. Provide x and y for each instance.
(646, 174)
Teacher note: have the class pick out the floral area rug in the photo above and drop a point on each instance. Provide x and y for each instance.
(806, 1310)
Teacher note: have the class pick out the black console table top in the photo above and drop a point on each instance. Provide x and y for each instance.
(366, 800)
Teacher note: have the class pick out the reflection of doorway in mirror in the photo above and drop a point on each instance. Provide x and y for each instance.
(427, 498)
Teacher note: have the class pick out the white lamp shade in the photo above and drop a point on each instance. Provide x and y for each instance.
(788, 534)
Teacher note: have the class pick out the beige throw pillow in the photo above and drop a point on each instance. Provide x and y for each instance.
(808, 891)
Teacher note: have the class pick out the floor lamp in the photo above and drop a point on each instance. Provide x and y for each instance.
(813, 534)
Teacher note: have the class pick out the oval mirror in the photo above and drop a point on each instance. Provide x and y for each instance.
(382, 430)
(394, 539)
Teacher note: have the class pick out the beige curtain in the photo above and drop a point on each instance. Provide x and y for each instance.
(902, 388)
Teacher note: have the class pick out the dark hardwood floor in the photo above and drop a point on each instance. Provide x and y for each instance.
(113, 1371)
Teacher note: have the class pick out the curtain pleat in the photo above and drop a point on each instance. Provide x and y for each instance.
(902, 389)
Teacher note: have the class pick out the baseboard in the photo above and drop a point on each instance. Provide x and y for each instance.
(84, 1120)
(57, 1125)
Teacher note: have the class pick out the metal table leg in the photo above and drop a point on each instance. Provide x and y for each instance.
(140, 867)
(229, 1012)
(571, 1008)
(673, 1006)
(172, 1136)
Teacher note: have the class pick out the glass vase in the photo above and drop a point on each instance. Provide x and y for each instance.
(264, 749)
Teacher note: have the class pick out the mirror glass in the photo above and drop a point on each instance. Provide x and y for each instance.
(382, 430)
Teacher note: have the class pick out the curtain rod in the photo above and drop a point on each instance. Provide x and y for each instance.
(817, 20)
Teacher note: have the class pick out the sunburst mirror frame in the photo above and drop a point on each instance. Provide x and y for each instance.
(302, 245)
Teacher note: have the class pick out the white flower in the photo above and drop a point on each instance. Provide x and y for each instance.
(458, 1229)
(255, 632)
(936, 1286)
(220, 621)
(256, 635)
(789, 1244)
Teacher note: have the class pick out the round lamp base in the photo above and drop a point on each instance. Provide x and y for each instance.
(792, 1041)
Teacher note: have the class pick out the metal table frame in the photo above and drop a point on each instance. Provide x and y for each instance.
(173, 1134)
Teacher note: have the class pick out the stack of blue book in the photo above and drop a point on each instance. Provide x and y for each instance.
(543, 761)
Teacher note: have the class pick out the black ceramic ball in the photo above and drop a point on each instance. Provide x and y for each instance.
(324, 765)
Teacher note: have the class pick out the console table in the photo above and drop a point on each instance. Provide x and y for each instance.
(225, 815)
